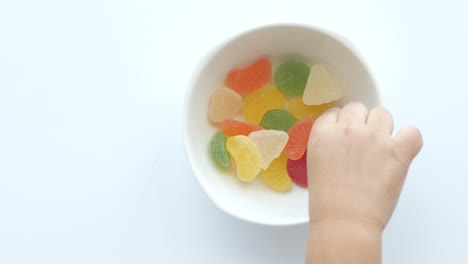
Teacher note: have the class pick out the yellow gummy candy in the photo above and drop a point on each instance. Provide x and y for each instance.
(301, 111)
(321, 87)
(261, 101)
(246, 155)
(276, 176)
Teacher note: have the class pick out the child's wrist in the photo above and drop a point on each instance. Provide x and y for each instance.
(344, 241)
(357, 228)
(348, 221)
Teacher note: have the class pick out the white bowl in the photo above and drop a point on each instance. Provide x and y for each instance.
(253, 201)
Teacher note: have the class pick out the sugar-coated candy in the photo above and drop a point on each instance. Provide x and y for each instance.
(291, 77)
(218, 150)
(224, 104)
(246, 155)
(248, 79)
(297, 170)
(301, 111)
(231, 127)
(264, 99)
(276, 176)
(321, 87)
(298, 139)
(278, 119)
(270, 144)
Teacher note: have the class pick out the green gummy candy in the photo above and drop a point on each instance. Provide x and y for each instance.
(291, 77)
(218, 150)
(278, 120)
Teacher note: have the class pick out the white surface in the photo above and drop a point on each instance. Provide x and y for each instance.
(253, 201)
(92, 168)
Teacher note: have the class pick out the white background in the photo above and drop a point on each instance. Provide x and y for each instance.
(92, 163)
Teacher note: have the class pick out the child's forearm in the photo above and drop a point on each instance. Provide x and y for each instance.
(339, 242)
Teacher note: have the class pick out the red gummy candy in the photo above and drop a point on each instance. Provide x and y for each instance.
(297, 170)
(250, 78)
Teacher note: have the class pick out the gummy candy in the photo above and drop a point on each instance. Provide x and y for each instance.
(260, 101)
(224, 104)
(270, 144)
(247, 157)
(321, 87)
(231, 127)
(278, 120)
(301, 111)
(270, 140)
(276, 176)
(250, 78)
(297, 170)
(298, 139)
(291, 77)
(218, 150)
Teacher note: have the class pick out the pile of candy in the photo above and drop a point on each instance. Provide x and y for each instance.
(271, 140)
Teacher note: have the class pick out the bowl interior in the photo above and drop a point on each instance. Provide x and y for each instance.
(253, 201)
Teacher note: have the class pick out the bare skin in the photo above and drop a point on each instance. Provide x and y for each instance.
(356, 173)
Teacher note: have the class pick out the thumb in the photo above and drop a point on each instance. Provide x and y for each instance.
(407, 143)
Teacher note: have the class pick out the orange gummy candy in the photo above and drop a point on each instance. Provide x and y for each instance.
(248, 79)
(298, 139)
(231, 127)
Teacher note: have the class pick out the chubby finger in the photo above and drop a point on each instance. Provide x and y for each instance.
(353, 113)
(329, 116)
(407, 143)
(380, 120)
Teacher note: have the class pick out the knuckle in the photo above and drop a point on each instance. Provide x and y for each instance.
(349, 129)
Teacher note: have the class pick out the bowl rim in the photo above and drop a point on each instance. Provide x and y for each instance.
(189, 93)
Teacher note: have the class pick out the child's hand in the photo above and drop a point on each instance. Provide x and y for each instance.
(356, 172)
